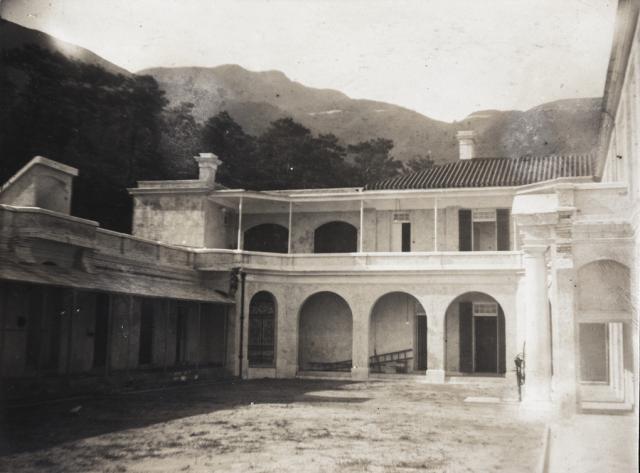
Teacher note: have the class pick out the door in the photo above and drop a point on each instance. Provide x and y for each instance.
(101, 331)
(466, 336)
(421, 342)
(486, 344)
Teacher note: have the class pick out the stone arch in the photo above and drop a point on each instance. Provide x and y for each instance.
(261, 345)
(267, 237)
(475, 335)
(397, 330)
(335, 237)
(605, 325)
(604, 285)
(325, 328)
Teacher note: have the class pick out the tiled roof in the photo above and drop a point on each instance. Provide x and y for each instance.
(491, 172)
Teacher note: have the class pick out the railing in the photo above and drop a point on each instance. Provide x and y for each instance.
(376, 362)
(396, 358)
(346, 262)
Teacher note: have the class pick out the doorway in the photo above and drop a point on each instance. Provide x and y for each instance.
(486, 343)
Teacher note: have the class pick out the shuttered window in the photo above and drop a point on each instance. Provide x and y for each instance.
(464, 229)
(502, 223)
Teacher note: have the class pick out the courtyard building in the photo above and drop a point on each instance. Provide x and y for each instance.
(447, 274)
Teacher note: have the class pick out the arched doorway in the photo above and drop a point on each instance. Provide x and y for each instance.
(398, 334)
(335, 237)
(262, 323)
(325, 333)
(604, 336)
(267, 237)
(475, 335)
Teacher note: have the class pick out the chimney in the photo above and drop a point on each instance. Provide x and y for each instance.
(466, 140)
(207, 166)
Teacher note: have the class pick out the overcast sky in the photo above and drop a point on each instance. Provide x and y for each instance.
(442, 58)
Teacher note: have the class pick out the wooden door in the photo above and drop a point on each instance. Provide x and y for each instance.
(486, 344)
(466, 336)
(421, 342)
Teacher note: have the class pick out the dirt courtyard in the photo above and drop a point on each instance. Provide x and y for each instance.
(274, 426)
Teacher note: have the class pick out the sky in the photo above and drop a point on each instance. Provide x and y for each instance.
(442, 58)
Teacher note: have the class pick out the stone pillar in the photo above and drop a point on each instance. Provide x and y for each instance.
(360, 349)
(289, 306)
(564, 340)
(435, 348)
(537, 330)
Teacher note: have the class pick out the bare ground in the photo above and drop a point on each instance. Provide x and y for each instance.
(274, 426)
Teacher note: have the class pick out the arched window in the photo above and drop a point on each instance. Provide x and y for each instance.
(335, 237)
(267, 237)
(262, 316)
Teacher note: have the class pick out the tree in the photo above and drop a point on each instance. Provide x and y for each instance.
(290, 157)
(107, 125)
(235, 148)
(372, 160)
(420, 163)
(180, 141)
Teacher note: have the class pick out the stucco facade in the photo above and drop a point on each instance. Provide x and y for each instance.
(448, 275)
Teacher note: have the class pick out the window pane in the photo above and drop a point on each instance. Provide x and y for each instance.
(594, 363)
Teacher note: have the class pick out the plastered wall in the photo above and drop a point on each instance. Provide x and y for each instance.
(325, 330)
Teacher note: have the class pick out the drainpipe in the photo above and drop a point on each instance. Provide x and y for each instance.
(243, 276)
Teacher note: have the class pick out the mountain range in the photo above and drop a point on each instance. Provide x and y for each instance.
(254, 99)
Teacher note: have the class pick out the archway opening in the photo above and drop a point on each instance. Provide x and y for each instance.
(325, 334)
(398, 335)
(335, 237)
(262, 323)
(267, 237)
(605, 327)
(475, 335)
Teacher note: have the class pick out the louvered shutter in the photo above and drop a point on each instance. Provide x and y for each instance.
(502, 224)
(464, 229)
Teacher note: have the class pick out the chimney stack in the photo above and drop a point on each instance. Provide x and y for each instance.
(207, 165)
(466, 141)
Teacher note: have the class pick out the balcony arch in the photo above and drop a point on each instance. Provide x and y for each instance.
(335, 237)
(398, 334)
(267, 237)
(325, 329)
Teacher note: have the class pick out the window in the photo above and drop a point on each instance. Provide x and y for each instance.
(484, 230)
(267, 237)
(261, 347)
(335, 237)
(594, 351)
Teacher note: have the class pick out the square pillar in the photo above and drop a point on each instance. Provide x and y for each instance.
(564, 340)
(538, 334)
(360, 348)
(435, 349)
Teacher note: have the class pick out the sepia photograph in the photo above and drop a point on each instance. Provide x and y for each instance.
(319, 236)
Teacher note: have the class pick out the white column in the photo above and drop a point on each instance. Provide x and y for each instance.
(239, 244)
(360, 347)
(290, 229)
(435, 224)
(537, 330)
(361, 226)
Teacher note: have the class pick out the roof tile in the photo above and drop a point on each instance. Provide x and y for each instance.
(491, 172)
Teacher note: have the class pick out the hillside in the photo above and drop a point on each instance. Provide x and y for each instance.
(256, 98)
(14, 36)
